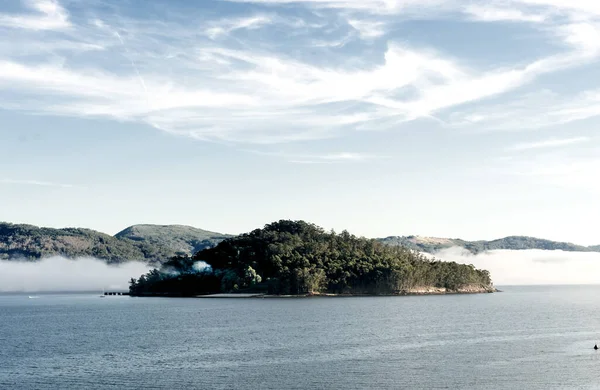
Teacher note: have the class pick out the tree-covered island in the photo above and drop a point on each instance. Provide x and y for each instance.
(298, 258)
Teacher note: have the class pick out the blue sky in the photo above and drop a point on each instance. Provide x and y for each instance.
(448, 118)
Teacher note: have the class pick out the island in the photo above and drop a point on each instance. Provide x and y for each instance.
(296, 258)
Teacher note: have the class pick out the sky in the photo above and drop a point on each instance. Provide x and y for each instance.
(448, 118)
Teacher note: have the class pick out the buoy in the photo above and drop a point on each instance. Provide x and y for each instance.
(596, 346)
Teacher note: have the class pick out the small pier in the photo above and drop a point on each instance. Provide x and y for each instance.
(115, 293)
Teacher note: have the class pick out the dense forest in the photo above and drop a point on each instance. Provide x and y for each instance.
(295, 257)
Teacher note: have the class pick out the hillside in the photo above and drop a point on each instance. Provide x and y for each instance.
(299, 258)
(146, 243)
(181, 240)
(32, 242)
(432, 245)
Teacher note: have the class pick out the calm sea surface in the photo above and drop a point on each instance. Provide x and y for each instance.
(523, 338)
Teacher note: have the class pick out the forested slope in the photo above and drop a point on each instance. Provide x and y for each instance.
(295, 257)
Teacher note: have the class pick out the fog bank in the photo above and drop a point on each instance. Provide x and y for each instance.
(61, 274)
(507, 267)
(530, 267)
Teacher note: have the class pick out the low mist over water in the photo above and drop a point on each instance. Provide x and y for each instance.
(61, 274)
(527, 267)
(507, 267)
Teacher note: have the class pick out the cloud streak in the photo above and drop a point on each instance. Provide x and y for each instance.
(334, 158)
(330, 158)
(217, 83)
(224, 27)
(36, 183)
(550, 143)
(484, 13)
(46, 15)
(530, 112)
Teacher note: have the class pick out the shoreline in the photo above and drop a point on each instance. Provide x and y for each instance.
(411, 292)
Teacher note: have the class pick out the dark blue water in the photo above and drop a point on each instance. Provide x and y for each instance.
(523, 338)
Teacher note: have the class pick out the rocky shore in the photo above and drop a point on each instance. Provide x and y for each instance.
(468, 289)
(425, 290)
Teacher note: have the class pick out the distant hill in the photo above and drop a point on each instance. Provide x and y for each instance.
(432, 245)
(147, 243)
(181, 240)
(158, 243)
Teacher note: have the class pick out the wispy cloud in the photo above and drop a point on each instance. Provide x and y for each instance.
(327, 158)
(36, 183)
(46, 15)
(186, 80)
(335, 158)
(549, 143)
(576, 8)
(488, 13)
(487, 10)
(348, 157)
(532, 111)
(226, 26)
(367, 28)
(377, 7)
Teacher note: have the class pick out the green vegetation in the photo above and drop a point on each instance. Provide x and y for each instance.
(31, 243)
(422, 244)
(521, 243)
(175, 239)
(146, 243)
(295, 257)
(158, 243)
(433, 245)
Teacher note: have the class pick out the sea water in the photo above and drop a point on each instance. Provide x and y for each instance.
(521, 338)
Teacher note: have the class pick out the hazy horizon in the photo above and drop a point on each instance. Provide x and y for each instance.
(236, 233)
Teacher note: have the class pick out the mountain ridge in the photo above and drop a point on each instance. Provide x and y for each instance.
(185, 240)
(433, 244)
(30, 242)
(157, 243)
